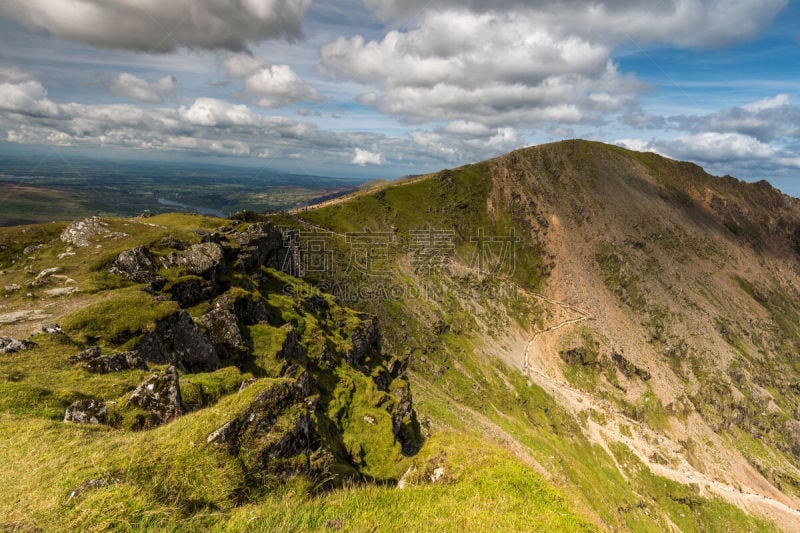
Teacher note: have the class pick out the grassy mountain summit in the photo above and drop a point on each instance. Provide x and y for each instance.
(570, 337)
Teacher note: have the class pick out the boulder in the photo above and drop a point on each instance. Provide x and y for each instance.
(248, 310)
(188, 292)
(106, 364)
(137, 265)
(177, 340)
(93, 352)
(223, 331)
(160, 395)
(80, 232)
(202, 259)
(11, 345)
(49, 329)
(87, 412)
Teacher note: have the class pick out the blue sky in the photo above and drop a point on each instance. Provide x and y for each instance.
(384, 88)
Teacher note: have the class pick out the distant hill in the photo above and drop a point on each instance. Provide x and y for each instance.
(46, 189)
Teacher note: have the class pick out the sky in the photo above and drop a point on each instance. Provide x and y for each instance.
(386, 88)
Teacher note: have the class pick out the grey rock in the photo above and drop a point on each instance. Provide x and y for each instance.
(291, 350)
(257, 433)
(106, 364)
(80, 232)
(32, 248)
(93, 352)
(223, 331)
(261, 244)
(187, 292)
(404, 419)
(366, 341)
(86, 412)
(50, 329)
(201, 259)
(177, 340)
(11, 345)
(248, 310)
(160, 394)
(137, 264)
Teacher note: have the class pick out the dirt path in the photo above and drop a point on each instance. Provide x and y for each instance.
(644, 442)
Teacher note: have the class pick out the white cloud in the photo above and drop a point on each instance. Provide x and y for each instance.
(717, 147)
(214, 112)
(268, 85)
(683, 22)
(129, 86)
(278, 85)
(495, 69)
(14, 75)
(779, 100)
(240, 66)
(363, 158)
(27, 98)
(161, 26)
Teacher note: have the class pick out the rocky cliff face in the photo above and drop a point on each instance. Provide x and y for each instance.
(287, 427)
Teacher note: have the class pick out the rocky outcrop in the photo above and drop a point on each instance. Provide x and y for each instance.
(177, 340)
(223, 331)
(188, 292)
(106, 364)
(137, 265)
(291, 351)
(160, 396)
(203, 259)
(87, 412)
(366, 341)
(80, 232)
(405, 426)
(259, 245)
(274, 428)
(11, 345)
(248, 310)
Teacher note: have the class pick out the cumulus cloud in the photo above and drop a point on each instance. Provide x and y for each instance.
(159, 26)
(27, 98)
(278, 85)
(14, 74)
(268, 85)
(129, 86)
(682, 22)
(206, 125)
(215, 112)
(523, 62)
(363, 158)
(716, 147)
(490, 68)
(768, 119)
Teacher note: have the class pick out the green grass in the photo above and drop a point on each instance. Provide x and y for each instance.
(118, 316)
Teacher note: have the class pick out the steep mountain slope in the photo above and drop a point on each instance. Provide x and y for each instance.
(655, 304)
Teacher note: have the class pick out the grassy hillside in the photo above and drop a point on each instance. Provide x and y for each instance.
(590, 338)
